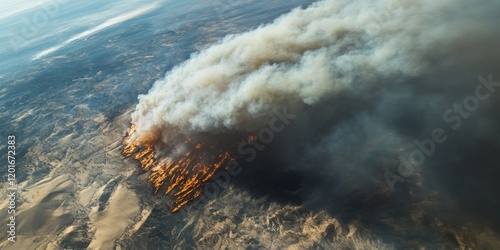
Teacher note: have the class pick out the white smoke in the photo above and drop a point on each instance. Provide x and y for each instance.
(301, 59)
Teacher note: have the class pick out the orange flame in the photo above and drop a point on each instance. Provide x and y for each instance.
(184, 176)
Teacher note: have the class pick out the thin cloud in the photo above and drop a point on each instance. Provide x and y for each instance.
(108, 23)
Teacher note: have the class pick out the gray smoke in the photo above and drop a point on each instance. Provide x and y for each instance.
(367, 78)
(301, 59)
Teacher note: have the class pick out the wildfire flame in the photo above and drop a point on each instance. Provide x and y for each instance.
(183, 176)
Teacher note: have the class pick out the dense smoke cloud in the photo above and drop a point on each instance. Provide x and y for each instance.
(303, 58)
(366, 79)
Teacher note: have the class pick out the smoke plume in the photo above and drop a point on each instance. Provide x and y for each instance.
(365, 79)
